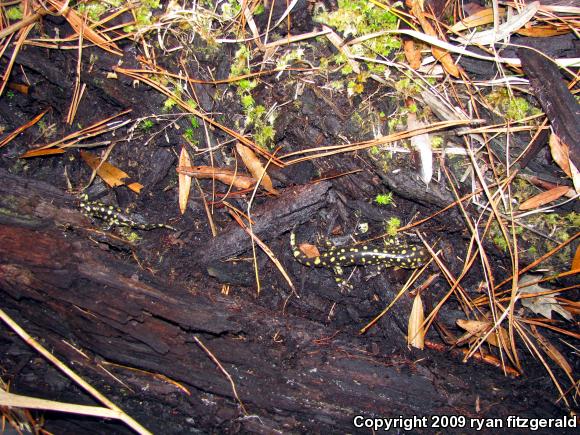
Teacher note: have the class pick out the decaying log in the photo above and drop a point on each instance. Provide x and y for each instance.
(290, 373)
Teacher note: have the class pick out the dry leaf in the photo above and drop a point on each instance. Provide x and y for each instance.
(552, 352)
(478, 328)
(480, 18)
(255, 167)
(416, 330)
(226, 176)
(576, 261)
(544, 198)
(412, 55)
(42, 153)
(110, 174)
(184, 181)
(311, 251)
(543, 31)
(560, 154)
(440, 54)
(543, 304)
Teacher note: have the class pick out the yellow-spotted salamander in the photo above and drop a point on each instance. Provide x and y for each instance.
(393, 254)
(114, 216)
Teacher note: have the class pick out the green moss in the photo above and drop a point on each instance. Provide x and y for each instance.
(384, 198)
(14, 13)
(146, 124)
(513, 108)
(355, 18)
(393, 224)
(262, 124)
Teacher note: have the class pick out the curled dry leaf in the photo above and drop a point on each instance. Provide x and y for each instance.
(416, 330)
(544, 198)
(440, 54)
(255, 167)
(412, 55)
(226, 176)
(110, 174)
(478, 328)
(184, 181)
(541, 304)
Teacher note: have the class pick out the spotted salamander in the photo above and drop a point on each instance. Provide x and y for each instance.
(114, 216)
(393, 254)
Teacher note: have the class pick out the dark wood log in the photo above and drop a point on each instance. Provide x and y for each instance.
(291, 374)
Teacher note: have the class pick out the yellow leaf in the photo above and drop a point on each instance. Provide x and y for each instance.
(416, 330)
(110, 174)
(184, 181)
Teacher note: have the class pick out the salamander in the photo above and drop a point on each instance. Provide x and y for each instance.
(393, 254)
(114, 216)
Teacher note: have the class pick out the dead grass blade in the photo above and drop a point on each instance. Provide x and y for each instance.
(22, 128)
(76, 22)
(73, 140)
(72, 375)
(264, 248)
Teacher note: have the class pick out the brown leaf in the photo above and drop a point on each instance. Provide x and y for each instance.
(110, 174)
(544, 198)
(576, 261)
(440, 55)
(560, 154)
(226, 176)
(255, 167)
(477, 328)
(184, 181)
(412, 54)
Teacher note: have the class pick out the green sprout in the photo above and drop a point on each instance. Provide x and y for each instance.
(146, 124)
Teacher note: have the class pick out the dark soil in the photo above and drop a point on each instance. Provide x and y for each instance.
(318, 117)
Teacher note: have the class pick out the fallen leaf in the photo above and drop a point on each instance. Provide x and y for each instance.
(255, 167)
(184, 181)
(412, 55)
(440, 54)
(416, 330)
(544, 198)
(576, 261)
(542, 304)
(110, 174)
(480, 18)
(479, 328)
(560, 154)
(226, 176)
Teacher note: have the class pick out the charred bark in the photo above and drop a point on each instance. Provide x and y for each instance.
(290, 373)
